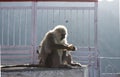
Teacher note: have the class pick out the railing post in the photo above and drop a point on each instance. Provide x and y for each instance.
(34, 13)
(97, 67)
(0, 54)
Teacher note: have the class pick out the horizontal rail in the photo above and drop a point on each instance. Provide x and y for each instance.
(50, 0)
(17, 61)
(15, 52)
(15, 46)
(68, 8)
(15, 7)
(86, 48)
(84, 53)
(78, 48)
(110, 73)
(16, 56)
(48, 7)
(84, 58)
(71, 0)
(109, 57)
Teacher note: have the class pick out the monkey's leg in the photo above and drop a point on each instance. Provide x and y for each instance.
(70, 61)
(42, 60)
(65, 66)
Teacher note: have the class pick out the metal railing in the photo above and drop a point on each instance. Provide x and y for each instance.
(23, 27)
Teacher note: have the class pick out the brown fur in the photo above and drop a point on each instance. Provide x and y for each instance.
(54, 49)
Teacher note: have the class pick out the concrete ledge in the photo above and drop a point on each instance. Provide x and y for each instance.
(46, 72)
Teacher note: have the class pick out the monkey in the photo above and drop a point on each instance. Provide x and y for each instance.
(63, 41)
(54, 51)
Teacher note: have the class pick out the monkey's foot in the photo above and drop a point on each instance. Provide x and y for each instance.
(66, 66)
(76, 64)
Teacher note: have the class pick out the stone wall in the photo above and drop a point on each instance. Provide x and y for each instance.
(46, 72)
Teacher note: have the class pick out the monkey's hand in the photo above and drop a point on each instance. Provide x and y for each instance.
(71, 47)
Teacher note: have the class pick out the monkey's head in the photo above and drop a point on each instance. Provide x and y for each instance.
(60, 32)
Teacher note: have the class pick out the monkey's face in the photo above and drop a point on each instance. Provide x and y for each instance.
(61, 33)
(62, 36)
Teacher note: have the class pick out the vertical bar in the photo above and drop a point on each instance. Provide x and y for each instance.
(119, 15)
(65, 15)
(89, 29)
(77, 19)
(70, 16)
(53, 17)
(2, 25)
(99, 60)
(34, 13)
(95, 30)
(71, 25)
(83, 27)
(59, 15)
(95, 25)
(14, 28)
(89, 70)
(96, 38)
(25, 27)
(0, 57)
(8, 26)
(47, 17)
(20, 27)
(41, 21)
(89, 65)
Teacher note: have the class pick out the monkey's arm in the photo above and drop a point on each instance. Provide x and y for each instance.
(51, 43)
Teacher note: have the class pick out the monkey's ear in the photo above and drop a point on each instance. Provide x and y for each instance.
(37, 51)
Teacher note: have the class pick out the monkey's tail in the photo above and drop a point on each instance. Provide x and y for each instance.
(24, 65)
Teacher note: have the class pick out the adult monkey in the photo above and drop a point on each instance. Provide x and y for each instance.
(54, 49)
